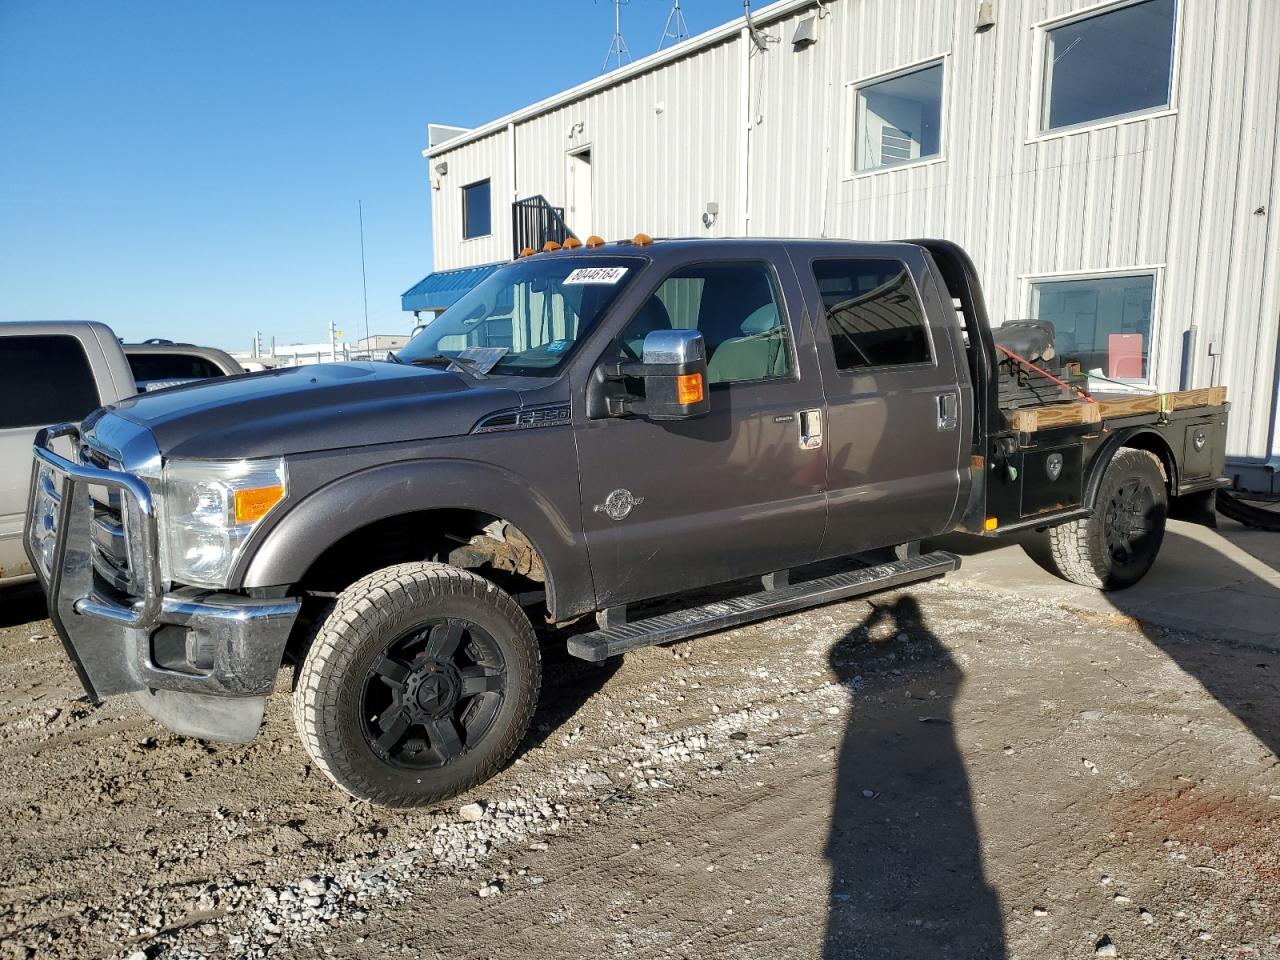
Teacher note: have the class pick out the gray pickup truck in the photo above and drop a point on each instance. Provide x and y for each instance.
(49, 373)
(586, 432)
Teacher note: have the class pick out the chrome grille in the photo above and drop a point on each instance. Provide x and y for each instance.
(110, 542)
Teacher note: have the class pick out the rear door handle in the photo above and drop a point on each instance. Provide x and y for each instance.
(810, 429)
(948, 411)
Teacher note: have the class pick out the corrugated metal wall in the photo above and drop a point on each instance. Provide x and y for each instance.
(1191, 193)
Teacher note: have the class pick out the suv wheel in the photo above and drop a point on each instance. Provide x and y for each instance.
(1116, 545)
(419, 684)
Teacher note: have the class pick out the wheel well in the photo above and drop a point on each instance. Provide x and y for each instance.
(488, 545)
(1154, 443)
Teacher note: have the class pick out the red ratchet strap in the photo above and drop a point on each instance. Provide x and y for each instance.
(1031, 366)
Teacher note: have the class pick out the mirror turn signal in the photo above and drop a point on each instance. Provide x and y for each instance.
(689, 388)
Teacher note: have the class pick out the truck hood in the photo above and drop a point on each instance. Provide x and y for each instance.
(318, 407)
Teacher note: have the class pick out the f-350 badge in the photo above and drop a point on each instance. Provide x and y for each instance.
(618, 504)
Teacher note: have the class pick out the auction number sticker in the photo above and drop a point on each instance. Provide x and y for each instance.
(596, 275)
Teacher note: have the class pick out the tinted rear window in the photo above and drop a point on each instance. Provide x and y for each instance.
(873, 313)
(171, 366)
(44, 380)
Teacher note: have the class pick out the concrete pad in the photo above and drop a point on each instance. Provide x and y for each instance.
(1223, 584)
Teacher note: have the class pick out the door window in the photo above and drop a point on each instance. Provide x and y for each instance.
(736, 308)
(44, 380)
(874, 314)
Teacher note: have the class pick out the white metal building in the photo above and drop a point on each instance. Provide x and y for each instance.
(1110, 166)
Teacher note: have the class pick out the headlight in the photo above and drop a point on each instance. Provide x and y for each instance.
(208, 510)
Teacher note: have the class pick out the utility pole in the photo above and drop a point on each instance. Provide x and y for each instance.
(617, 46)
(675, 29)
(333, 346)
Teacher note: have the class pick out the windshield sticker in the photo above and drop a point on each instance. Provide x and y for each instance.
(609, 275)
(559, 346)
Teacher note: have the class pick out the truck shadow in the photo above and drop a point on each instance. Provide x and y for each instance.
(907, 876)
(22, 604)
(1206, 588)
(1229, 603)
(567, 684)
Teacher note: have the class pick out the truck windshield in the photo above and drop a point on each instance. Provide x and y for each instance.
(535, 311)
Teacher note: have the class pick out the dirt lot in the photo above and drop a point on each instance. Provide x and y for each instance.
(941, 773)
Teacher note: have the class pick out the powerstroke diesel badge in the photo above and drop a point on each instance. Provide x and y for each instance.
(618, 504)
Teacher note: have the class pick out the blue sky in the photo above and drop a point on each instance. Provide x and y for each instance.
(191, 169)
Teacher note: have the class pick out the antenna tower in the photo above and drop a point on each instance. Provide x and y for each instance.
(676, 29)
(618, 51)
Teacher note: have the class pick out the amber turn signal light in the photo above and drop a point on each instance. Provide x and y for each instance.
(253, 504)
(689, 388)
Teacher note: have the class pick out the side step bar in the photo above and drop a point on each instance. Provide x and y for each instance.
(723, 614)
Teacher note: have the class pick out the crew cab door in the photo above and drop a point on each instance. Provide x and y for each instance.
(899, 405)
(668, 506)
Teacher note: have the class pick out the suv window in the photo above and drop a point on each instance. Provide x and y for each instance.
(736, 308)
(171, 366)
(873, 312)
(44, 380)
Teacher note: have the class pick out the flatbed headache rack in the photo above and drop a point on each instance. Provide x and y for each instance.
(1036, 466)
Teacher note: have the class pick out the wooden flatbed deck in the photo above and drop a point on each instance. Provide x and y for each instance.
(1112, 407)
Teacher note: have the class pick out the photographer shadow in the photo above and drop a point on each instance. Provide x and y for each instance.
(907, 876)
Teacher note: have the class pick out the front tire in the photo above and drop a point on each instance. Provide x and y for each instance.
(419, 684)
(1116, 545)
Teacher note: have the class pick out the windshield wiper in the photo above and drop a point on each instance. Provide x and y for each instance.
(465, 364)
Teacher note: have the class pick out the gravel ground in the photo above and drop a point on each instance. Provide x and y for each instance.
(938, 773)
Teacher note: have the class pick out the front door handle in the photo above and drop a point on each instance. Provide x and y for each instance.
(948, 411)
(810, 429)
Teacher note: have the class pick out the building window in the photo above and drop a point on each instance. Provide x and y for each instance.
(1103, 322)
(1114, 64)
(873, 313)
(477, 213)
(898, 119)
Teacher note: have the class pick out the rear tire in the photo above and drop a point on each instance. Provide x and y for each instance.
(419, 684)
(1116, 545)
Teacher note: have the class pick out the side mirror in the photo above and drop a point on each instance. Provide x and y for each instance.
(675, 375)
(674, 370)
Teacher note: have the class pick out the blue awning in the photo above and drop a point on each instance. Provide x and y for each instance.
(444, 288)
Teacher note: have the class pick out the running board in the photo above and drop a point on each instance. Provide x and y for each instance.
(723, 614)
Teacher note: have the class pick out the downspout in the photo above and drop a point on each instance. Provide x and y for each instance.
(829, 125)
(744, 160)
(749, 37)
(515, 189)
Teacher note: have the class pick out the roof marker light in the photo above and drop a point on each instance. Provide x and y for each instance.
(572, 243)
(642, 239)
(550, 247)
(528, 252)
(593, 241)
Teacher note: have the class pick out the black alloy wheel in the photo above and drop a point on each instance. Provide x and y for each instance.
(433, 694)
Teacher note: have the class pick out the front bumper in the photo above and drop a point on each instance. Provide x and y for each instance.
(201, 662)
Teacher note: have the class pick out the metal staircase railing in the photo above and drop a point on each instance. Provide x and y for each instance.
(534, 222)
